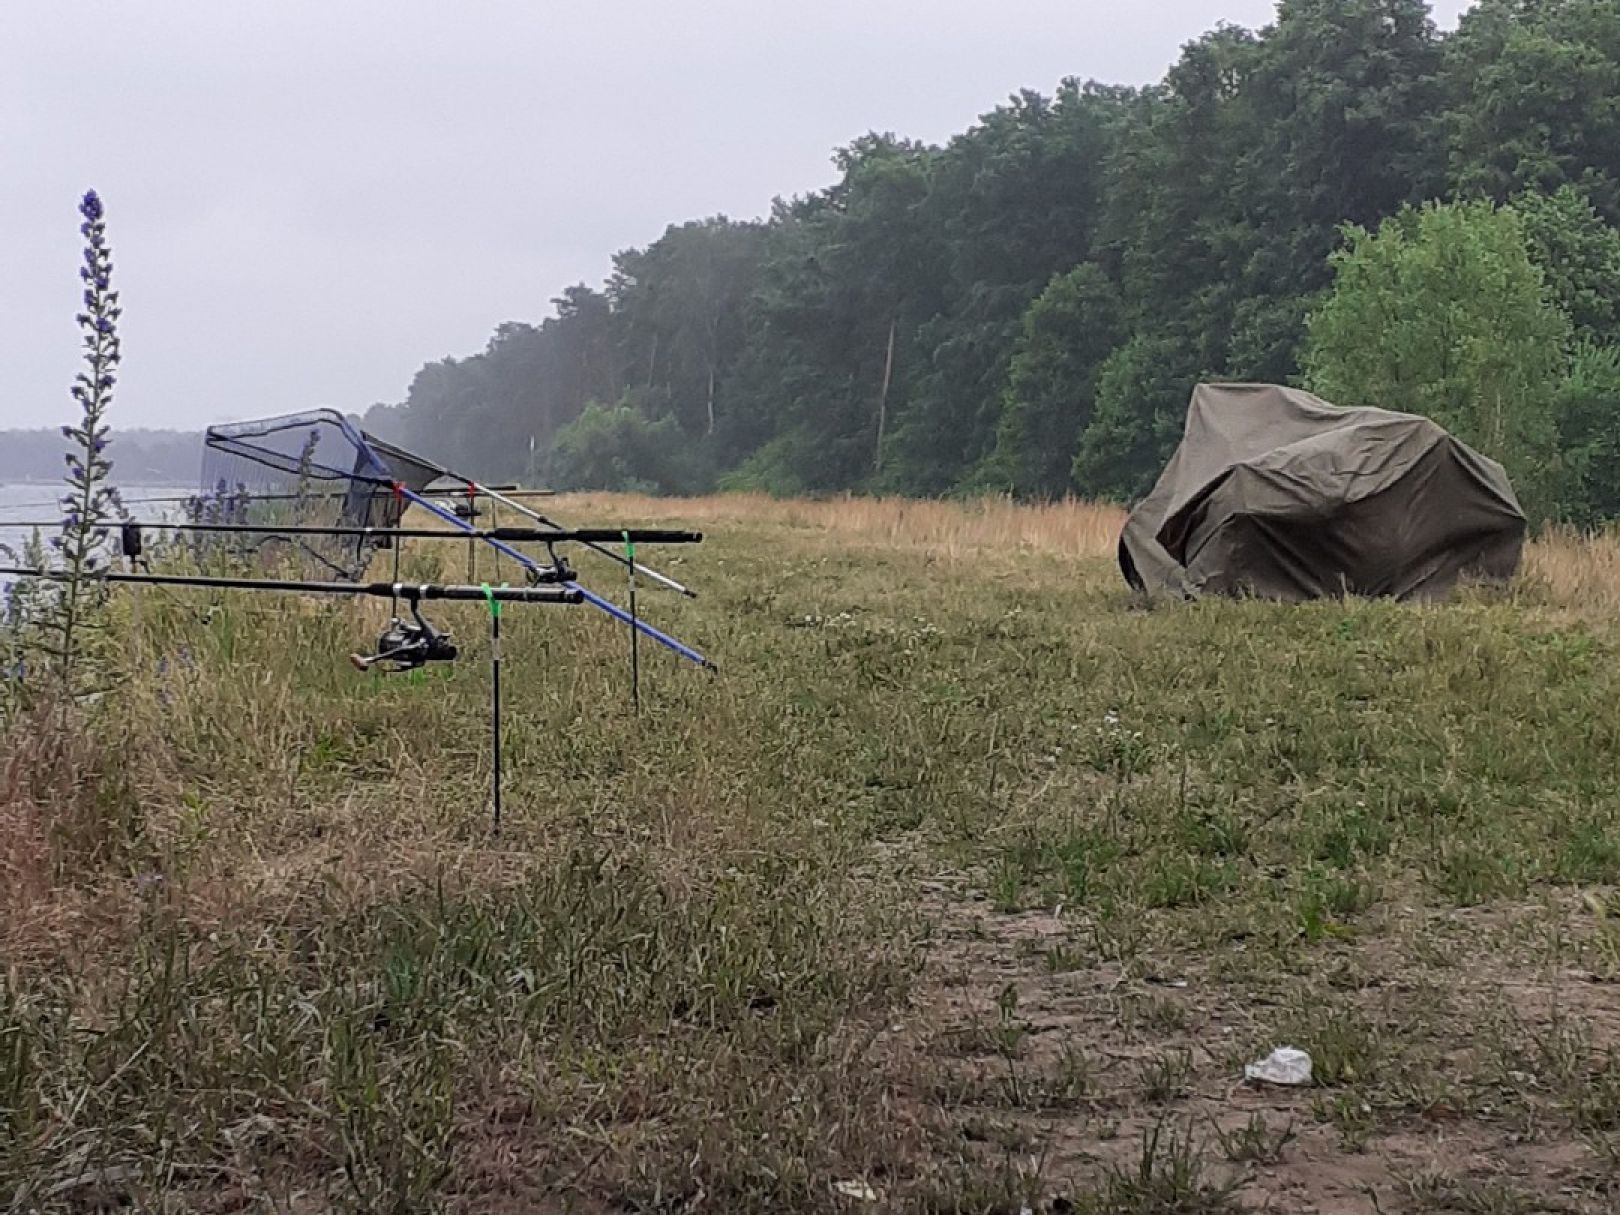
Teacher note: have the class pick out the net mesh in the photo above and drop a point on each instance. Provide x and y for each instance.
(304, 469)
(406, 467)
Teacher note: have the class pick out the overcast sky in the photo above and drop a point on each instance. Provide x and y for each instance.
(308, 199)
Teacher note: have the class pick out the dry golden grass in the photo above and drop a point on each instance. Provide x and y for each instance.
(1070, 528)
(1577, 570)
(1573, 569)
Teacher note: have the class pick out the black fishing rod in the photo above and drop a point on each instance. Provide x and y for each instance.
(595, 546)
(410, 592)
(580, 535)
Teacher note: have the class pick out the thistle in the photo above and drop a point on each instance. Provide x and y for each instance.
(90, 503)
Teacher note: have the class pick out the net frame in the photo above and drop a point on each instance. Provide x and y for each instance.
(311, 467)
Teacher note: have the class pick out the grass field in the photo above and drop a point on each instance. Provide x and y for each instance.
(968, 884)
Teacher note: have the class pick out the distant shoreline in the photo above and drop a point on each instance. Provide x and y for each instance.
(160, 483)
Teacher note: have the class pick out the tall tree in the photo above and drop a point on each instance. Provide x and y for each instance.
(682, 305)
(1014, 201)
(851, 275)
(487, 412)
(1169, 227)
(1336, 113)
(1142, 393)
(1068, 333)
(1026, 307)
(1532, 99)
(1579, 255)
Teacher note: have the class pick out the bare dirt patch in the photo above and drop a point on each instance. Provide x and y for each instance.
(1110, 1073)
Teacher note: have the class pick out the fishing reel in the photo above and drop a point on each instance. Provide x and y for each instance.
(558, 572)
(408, 645)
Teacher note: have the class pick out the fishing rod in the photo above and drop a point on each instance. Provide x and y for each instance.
(500, 538)
(495, 494)
(585, 535)
(595, 600)
(384, 468)
(410, 592)
(131, 543)
(536, 516)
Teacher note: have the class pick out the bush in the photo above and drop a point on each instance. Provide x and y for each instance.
(616, 447)
(1442, 312)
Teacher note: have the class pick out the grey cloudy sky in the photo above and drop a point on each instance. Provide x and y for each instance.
(308, 199)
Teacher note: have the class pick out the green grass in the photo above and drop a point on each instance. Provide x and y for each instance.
(965, 879)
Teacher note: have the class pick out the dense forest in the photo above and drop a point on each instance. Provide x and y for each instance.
(1348, 199)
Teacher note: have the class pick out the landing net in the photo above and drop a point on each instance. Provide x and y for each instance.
(310, 468)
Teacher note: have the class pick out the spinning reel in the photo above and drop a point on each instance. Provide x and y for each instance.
(408, 645)
(559, 571)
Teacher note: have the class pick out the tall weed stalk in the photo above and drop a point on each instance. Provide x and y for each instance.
(91, 503)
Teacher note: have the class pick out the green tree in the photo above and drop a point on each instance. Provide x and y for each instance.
(1169, 224)
(1068, 332)
(681, 307)
(1226, 192)
(1532, 87)
(1013, 201)
(1334, 125)
(850, 276)
(1588, 410)
(1579, 256)
(914, 326)
(483, 414)
(1142, 393)
(1442, 313)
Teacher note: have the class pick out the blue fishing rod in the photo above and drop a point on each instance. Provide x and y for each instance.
(528, 563)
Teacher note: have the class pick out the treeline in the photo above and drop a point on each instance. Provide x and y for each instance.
(1026, 308)
(140, 457)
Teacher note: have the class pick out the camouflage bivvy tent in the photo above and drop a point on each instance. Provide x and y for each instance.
(1276, 493)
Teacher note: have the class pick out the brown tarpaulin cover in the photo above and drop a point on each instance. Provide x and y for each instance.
(1276, 493)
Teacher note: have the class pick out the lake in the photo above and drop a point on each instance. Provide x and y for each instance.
(40, 501)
